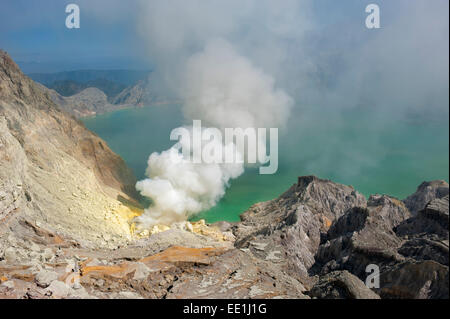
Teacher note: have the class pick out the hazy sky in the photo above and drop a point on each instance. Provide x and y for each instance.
(34, 32)
(319, 51)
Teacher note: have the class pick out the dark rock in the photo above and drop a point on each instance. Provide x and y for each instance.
(415, 280)
(433, 219)
(341, 285)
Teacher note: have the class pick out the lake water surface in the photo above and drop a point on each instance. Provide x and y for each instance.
(392, 158)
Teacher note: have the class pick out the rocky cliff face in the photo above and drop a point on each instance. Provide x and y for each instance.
(65, 234)
(53, 170)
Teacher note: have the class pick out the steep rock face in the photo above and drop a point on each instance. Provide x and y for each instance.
(55, 171)
(287, 230)
(341, 285)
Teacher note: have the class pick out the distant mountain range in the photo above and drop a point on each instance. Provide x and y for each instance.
(124, 77)
(69, 87)
(90, 92)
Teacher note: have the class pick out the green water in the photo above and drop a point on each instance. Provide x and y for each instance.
(375, 155)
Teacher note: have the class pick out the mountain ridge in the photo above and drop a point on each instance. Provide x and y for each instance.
(100, 96)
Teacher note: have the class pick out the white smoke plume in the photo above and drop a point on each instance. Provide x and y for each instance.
(224, 90)
(319, 52)
(180, 188)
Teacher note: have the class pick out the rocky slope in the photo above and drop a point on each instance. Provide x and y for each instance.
(66, 202)
(69, 87)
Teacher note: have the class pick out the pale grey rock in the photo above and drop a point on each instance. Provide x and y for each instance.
(433, 219)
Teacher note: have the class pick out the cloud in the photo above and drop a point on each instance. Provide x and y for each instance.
(321, 54)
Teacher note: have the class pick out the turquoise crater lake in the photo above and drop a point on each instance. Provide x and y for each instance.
(347, 148)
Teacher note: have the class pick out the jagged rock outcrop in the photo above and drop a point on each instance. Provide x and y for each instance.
(426, 192)
(54, 171)
(363, 236)
(155, 267)
(318, 229)
(143, 93)
(93, 101)
(287, 230)
(65, 234)
(181, 264)
(88, 102)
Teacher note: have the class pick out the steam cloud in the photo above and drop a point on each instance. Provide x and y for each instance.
(217, 57)
(223, 89)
